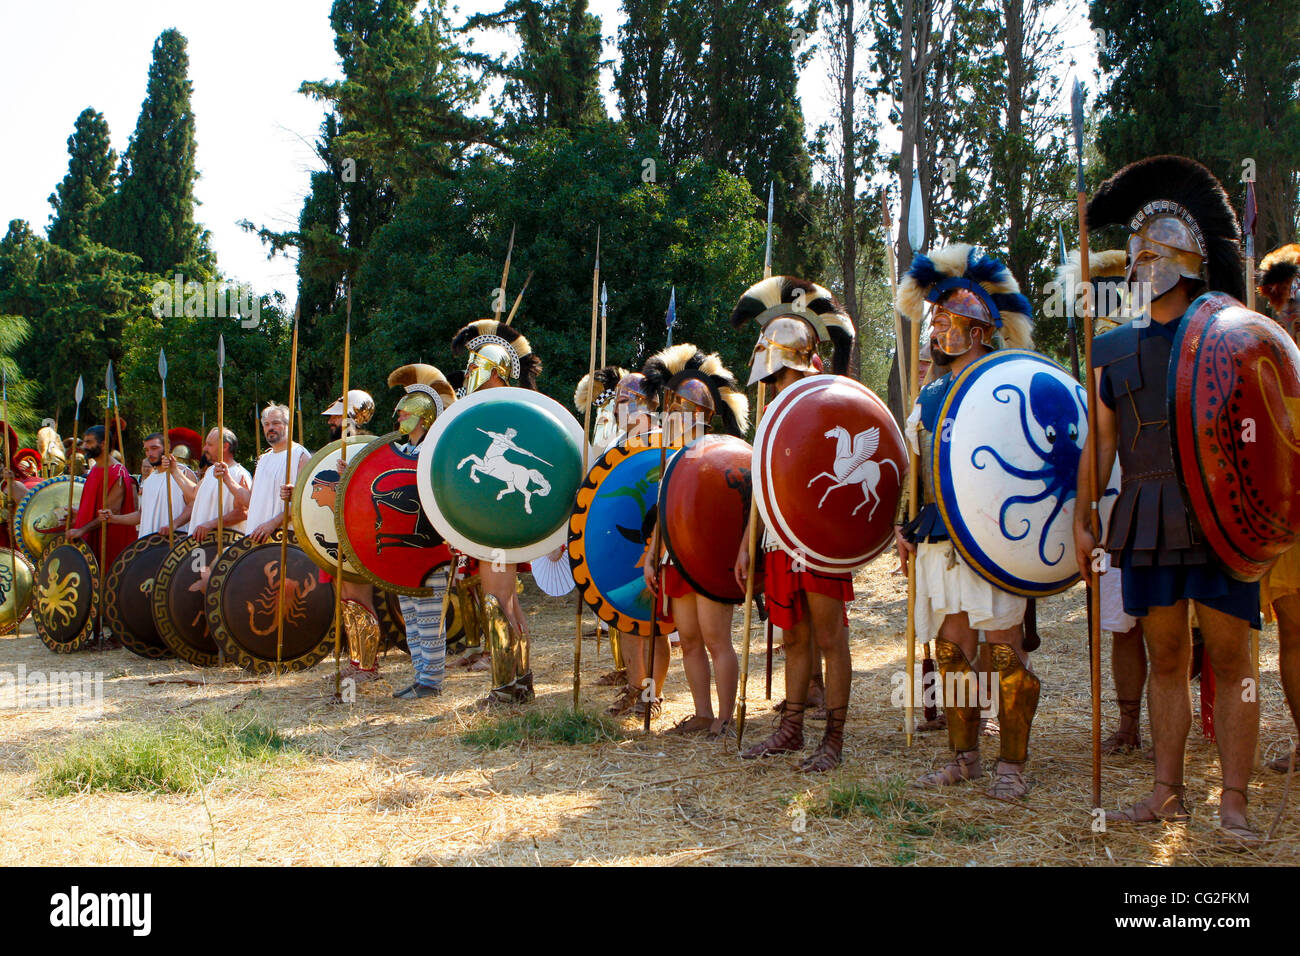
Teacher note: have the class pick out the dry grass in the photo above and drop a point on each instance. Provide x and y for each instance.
(435, 782)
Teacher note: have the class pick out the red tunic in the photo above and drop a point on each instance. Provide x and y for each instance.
(120, 536)
(782, 585)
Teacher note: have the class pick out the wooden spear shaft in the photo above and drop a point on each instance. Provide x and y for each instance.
(167, 448)
(288, 472)
(221, 441)
(586, 445)
(11, 504)
(104, 460)
(72, 459)
(661, 599)
(749, 586)
(343, 451)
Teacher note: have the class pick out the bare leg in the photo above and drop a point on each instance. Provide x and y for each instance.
(501, 584)
(715, 627)
(1236, 713)
(1128, 661)
(1287, 610)
(831, 639)
(695, 658)
(798, 664)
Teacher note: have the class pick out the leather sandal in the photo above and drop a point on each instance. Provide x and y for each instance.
(690, 726)
(1282, 764)
(1237, 836)
(829, 753)
(788, 738)
(1009, 785)
(964, 766)
(1126, 741)
(1142, 811)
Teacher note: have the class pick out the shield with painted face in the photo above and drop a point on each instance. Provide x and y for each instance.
(41, 516)
(385, 534)
(67, 596)
(128, 596)
(608, 533)
(498, 473)
(17, 582)
(178, 592)
(704, 498)
(828, 470)
(1006, 466)
(1234, 405)
(242, 604)
(313, 507)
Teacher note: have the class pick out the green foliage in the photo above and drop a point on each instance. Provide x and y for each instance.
(180, 756)
(555, 726)
(89, 181)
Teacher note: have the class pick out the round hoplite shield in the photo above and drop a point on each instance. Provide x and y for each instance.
(178, 591)
(242, 606)
(314, 525)
(17, 582)
(67, 595)
(830, 462)
(1234, 401)
(1006, 467)
(384, 532)
(498, 472)
(704, 499)
(607, 533)
(42, 514)
(128, 596)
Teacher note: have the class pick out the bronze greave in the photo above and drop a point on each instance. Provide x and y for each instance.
(362, 629)
(960, 688)
(512, 681)
(1017, 702)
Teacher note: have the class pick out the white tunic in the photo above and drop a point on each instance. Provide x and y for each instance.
(153, 502)
(265, 502)
(205, 499)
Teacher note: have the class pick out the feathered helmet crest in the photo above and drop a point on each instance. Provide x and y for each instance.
(427, 393)
(495, 346)
(970, 286)
(729, 401)
(1278, 272)
(598, 391)
(795, 316)
(1106, 270)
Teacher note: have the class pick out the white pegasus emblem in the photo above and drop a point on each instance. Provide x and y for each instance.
(853, 465)
(516, 477)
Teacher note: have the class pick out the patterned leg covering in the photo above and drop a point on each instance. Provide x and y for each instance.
(362, 629)
(512, 680)
(960, 687)
(424, 634)
(1017, 702)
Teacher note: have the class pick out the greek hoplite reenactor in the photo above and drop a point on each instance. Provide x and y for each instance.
(1183, 240)
(500, 356)
(21, 475)
(152, 513)
(360, 621)
(120, 498)
(200, 494)
(694, 389)
(600, 393)
(427, 394)
(795, 317)
(1128, 659)
(975, 305)
(49, 445)
(1279, 283)
(270, 494)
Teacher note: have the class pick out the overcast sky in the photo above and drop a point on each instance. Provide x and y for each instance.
(247, 59)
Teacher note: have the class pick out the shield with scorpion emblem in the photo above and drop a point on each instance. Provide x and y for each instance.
(705, 500)
(498, 473)
(828, 470)
(384, 532)
(67, 596)
(128, 596)
(1006, 468)
(178, 590)
(243, 600)
(314, 524)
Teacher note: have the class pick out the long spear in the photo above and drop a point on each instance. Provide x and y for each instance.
(288, 466)
(13, 545)
(604, 335)
(343, 451)
(72, 458)
(104, 460)
(167, 443)
(586, 446)
(1248, 227)
(221, 437)
(519, 298)
(505, 274)
(892, 257)
(1090, 450)
(753, 515)
(257, 421)
(916, 239)
(661, 599)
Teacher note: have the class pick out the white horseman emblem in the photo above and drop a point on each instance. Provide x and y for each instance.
(517, 477)
(853, 466)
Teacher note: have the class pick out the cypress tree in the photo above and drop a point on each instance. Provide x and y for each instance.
(88, 182)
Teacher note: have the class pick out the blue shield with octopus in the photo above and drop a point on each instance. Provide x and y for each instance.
(1006, 468)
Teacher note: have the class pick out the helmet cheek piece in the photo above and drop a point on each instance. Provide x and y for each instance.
(785, 342)
(1164, 248)
(422, 409)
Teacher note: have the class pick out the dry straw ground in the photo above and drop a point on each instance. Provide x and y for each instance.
(386, 782)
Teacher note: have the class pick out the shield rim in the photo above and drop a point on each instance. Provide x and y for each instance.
(668, 541)
(83, 637)
(7, 624)
(341, 528)
(22, 510)
(760, 469)
(576, 527)
(1199, 501)
(1008, 583)
(157, 649)
(162, 612)
(425, 484)
(235, 652)
(359, 442)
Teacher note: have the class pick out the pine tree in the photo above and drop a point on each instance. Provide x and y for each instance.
(152, 214)
(88, 182)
